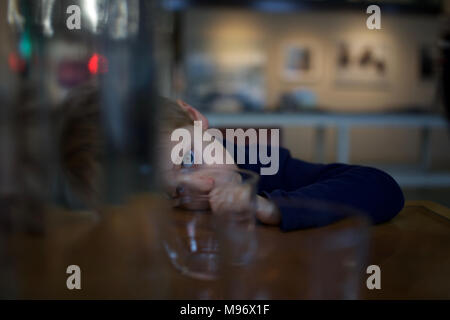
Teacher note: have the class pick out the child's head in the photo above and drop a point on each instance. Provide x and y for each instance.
(180, 115)
(81, 144)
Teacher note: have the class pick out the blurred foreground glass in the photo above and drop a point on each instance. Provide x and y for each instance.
(317, 263)
(44, 56)
(26, 144)
(59, 46)
(203, 231)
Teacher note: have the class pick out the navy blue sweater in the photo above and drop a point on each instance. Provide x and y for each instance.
(369, 190)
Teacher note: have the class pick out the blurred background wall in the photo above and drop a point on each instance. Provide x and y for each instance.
(403, 35)
(236, 60)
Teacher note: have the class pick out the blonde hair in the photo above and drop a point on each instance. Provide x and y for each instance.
(81, 143)
(172, 115)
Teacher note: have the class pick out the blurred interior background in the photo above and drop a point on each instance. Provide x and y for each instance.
(337, 90)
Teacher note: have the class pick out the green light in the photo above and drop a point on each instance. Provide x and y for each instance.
(25, 46)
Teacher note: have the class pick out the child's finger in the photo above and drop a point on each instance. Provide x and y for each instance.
(230, 200)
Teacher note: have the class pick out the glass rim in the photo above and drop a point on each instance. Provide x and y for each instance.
(252, 180)
(254, 177)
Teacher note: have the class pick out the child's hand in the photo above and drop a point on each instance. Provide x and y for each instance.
(231, 199)
(235, 200)
(267, 212)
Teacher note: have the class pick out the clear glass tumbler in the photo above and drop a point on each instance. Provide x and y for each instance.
(212, 220)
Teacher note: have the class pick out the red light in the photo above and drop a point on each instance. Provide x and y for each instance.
(16, 63)
(98, 64)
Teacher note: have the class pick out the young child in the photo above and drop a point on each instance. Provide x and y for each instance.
(370, 190)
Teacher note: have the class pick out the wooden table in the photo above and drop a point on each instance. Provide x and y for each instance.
(121, 257)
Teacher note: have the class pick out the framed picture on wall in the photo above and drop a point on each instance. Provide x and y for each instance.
(428, 62)
(301, 62)
(362, 63)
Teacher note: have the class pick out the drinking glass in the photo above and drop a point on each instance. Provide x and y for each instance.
(78, 114)
(209, 227)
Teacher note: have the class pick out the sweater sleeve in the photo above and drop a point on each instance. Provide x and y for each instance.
(369, 190)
